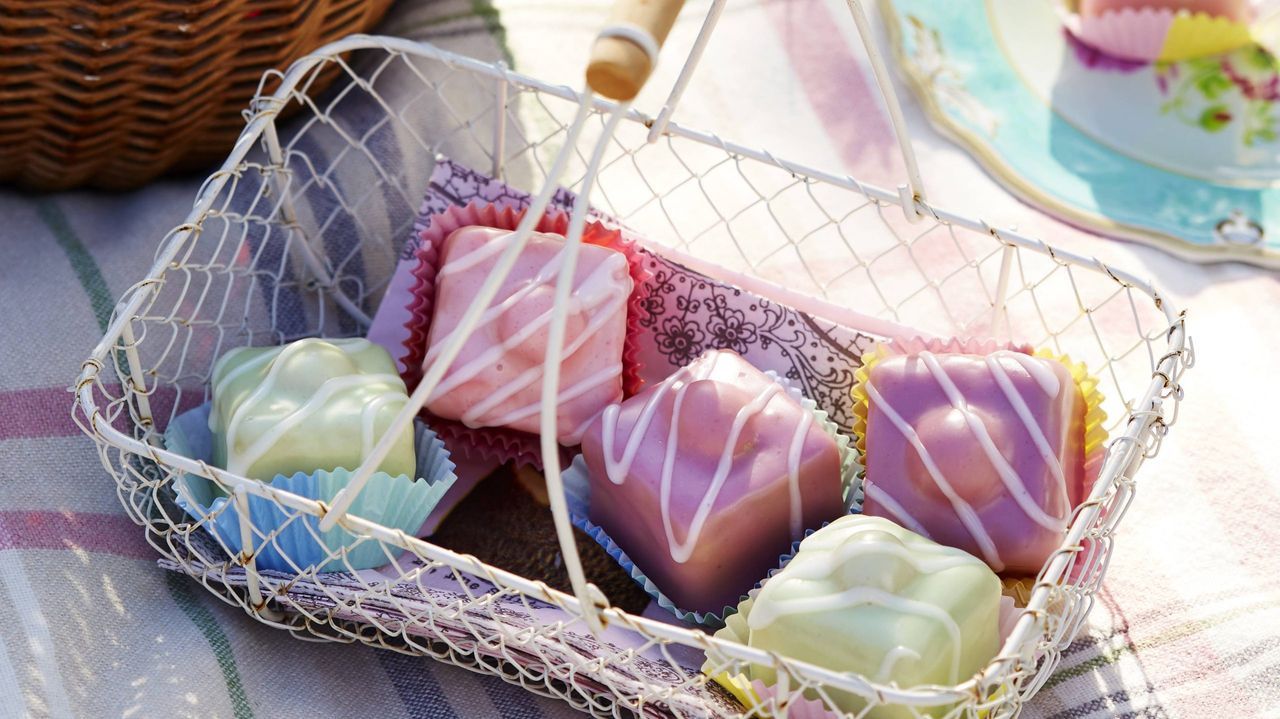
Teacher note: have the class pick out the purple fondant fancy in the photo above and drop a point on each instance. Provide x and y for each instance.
(707, 477)
(980, 452)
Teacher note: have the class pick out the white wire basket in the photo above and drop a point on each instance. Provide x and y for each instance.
(298, 233)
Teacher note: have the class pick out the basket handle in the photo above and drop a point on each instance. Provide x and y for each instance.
(622, 59)
(626, 50)
(911, 194)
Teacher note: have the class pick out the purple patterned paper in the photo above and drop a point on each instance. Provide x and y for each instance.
(688, 312)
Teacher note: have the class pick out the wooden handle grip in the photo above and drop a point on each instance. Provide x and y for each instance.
(620, 67)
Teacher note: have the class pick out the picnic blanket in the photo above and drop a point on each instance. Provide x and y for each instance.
(1187, 624)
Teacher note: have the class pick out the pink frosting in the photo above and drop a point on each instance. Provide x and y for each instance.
(496, 381)
(980, 452)
(706, 478)
(1238, 10)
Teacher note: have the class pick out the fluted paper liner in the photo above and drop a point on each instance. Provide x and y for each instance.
(577, 486)
(1200, 35)
(1127, 34)
(1158, 34)
(497, 444)
(501, 443)
(395, 502)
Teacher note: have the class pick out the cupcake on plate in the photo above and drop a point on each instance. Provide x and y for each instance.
(1160, 30)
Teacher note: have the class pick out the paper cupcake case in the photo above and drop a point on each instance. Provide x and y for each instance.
(499, 443)
(577, 487)
(1157, 34)
(395, 502)
(1019, 589)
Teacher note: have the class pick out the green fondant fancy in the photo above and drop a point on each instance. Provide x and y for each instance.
(310, 405)
(865, 595)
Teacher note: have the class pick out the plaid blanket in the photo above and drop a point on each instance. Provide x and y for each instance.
(1188, 624)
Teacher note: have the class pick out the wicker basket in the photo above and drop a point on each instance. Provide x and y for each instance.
(111, 94)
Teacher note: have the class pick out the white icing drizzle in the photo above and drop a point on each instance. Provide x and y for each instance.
(682, 551)
(484, 251)
(820, 560)
(1049, 383)
(618, 467)
(881, 497)
(368, 416)
(220, 388)
(1012, 482)
(968, 517)
(925, 559)
(1052, 461)
(765, 613)
(891, 659)
(277, 360)
(356, 343)
(240, 461)
(1043, 376)
(610, 372)
(793, 473)
(599, 294)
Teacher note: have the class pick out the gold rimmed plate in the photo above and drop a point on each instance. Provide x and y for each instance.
(1184, 156)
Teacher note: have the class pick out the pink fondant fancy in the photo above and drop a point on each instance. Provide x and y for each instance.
(506, 431)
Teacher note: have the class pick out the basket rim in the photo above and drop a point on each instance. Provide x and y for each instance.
(1145, 426)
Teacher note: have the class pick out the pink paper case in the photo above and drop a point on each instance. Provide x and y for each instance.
(502, 444)
(1129, 34)
(1153, 31)
(1238, 10)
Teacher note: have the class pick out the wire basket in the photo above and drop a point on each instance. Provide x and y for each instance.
(297, 236)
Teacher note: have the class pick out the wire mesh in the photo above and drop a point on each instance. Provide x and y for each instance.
(298, 234)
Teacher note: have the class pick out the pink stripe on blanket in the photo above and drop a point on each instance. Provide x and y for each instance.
(36, 412)
(89, 531)
(841, 94)
(46, 411)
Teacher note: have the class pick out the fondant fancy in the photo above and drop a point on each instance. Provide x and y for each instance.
(706, 478)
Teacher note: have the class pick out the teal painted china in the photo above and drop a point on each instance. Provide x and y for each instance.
(1184, 156)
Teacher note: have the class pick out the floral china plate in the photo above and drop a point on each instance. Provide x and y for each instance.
(1184, 156)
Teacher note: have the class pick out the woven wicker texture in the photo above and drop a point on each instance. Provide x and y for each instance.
(111, 94)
